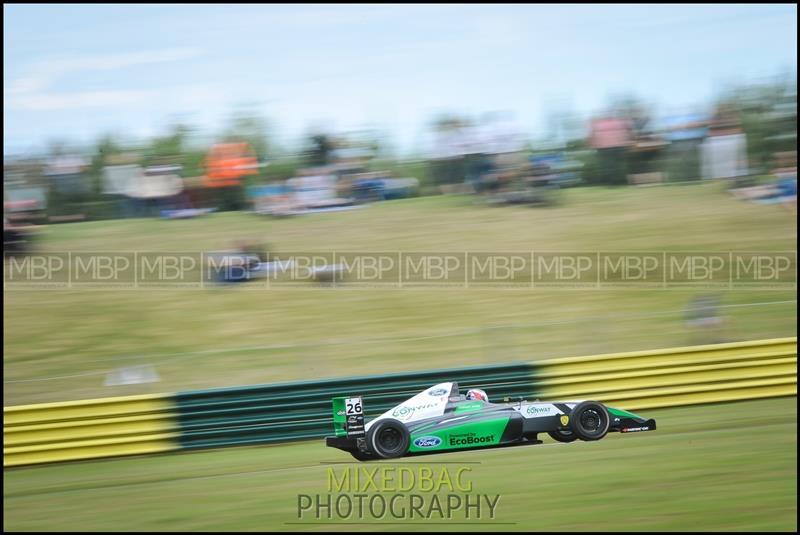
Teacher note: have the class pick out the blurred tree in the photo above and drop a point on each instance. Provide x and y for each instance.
(170, 148)
(319, 149)
(57, 147)
(639, 115)
(448, 122)
(374, 143)
(247, 125)
(107, 147)
(564, 125)
(768, 116)
(282, 168)
(636, 110)
(194, 162)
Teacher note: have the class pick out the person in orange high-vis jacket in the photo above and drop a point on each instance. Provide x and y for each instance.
(226, 165)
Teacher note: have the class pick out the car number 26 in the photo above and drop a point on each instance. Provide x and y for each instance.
(352, 406)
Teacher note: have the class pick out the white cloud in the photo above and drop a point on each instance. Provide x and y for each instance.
(85, 99)
(31, 92)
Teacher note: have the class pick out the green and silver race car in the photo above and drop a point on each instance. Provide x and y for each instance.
(440, 419)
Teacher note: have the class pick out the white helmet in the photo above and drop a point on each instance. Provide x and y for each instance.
(476, 394)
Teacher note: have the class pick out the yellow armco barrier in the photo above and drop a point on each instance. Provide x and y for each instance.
(88, 429)
(112, 427)
(678, 376)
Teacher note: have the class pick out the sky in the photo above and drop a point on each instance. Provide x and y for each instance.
(75, 72)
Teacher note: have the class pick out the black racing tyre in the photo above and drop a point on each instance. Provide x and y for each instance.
(589, 420)
(388, 438)
(563, 435)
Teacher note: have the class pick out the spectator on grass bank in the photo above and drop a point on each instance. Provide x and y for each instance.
(704, 320)
(475, 155)
(449, 149)
(498, 152)
(66, 174)
(785, 172)
(227, 164)
(782, 189)
(153, 188)
(119, 177)
(118, 183)
(724, 152)
(611, 136)
(242, 263)
(483, 155)
(644, 157)
(685, 133)
(506, 144)
(70, 186)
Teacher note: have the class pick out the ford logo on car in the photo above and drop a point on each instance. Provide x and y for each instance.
(427, 442)
(437, 392)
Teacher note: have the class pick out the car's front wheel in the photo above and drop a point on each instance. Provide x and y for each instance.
(589, 420)
(389, 438)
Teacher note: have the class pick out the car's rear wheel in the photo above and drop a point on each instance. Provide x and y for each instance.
(563, 435)
(389, 438)
(589, 420)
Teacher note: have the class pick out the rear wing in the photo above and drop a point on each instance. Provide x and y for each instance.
(348, 417)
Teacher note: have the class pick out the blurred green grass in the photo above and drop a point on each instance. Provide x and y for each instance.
(190, 336)
(725, 467)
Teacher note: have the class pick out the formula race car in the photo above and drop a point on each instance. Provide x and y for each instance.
(440, 419)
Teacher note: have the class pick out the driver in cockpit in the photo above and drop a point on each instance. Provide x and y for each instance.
(476, 394)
